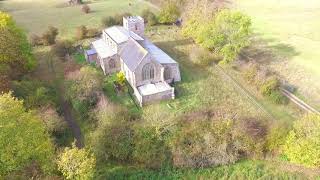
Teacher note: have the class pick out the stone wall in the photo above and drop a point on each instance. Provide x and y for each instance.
(149, 99)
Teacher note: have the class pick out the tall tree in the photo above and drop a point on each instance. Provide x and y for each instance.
(303, 142)
(15, 51)
(77, 163)
(23, 138)
(227, 34)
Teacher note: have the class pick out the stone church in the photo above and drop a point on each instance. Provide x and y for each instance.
(147, 68)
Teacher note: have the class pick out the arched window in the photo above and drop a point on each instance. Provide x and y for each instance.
(112, 63)
(147, 72)
(167, 73)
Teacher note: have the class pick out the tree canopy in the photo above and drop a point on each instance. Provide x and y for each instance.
(23, 138)
(15, 51)
(303, 142)
(225, 34)
(75, 163)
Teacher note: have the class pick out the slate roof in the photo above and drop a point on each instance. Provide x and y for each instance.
(91, 52)
(102, 48)
(157, 53)
(134, 51)
(120, 34)
(132, 54)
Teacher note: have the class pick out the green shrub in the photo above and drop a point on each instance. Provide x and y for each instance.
(75, 163)
(269, 86)
(202, 57)
(35, 40)
(119, 17)
(49, 37)
(303, 142)
(250, 73)
(276, 137)
(149, 17)
(278, 98)
(108, 21)
(169, 13)
(112, 139)
(121, 78)
(81, 32)
(63, 48)
(225, 34)
(270, 89)
(149, 149)
(92, 32)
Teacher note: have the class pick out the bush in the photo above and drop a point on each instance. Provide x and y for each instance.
(119, 17)
(149, 149)
(49, 37)
(92, 32)
(112, 139)
(35, 40)
(269, 86)
(75, 163)
(53, 122)
(85, 8)
(87, 85)
(108, 21)
(303, 142)
(206, 140)
(149, 17)
(62, 48)
(169, 13)
(81, 32)
(250, 73)
(202, 57)
(278, 98)
(121, 78)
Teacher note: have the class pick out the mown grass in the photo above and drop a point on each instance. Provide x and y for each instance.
(248, 170)
(36, 15)
(290, 28)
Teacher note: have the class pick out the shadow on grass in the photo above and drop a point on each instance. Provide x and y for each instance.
(190, 73)
(266, 51)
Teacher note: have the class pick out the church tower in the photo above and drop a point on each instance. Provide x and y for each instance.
(134, 24)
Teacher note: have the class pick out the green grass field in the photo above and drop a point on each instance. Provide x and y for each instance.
(291, 29)
(36, 15)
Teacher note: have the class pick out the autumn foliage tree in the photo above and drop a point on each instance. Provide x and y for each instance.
(226, 34)
(303, 142)
(75, 163)
(15, 51)
(23, 138)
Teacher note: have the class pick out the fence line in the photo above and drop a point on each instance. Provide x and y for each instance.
(299, 102)
(244, 92)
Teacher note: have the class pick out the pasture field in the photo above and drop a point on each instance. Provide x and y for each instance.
(289, 28)
(36, 15)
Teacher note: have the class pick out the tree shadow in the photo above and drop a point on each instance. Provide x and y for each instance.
(266, 51)
(189, 71)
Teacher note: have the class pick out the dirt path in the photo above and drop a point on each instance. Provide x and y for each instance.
(66, 106)
(68, 117)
